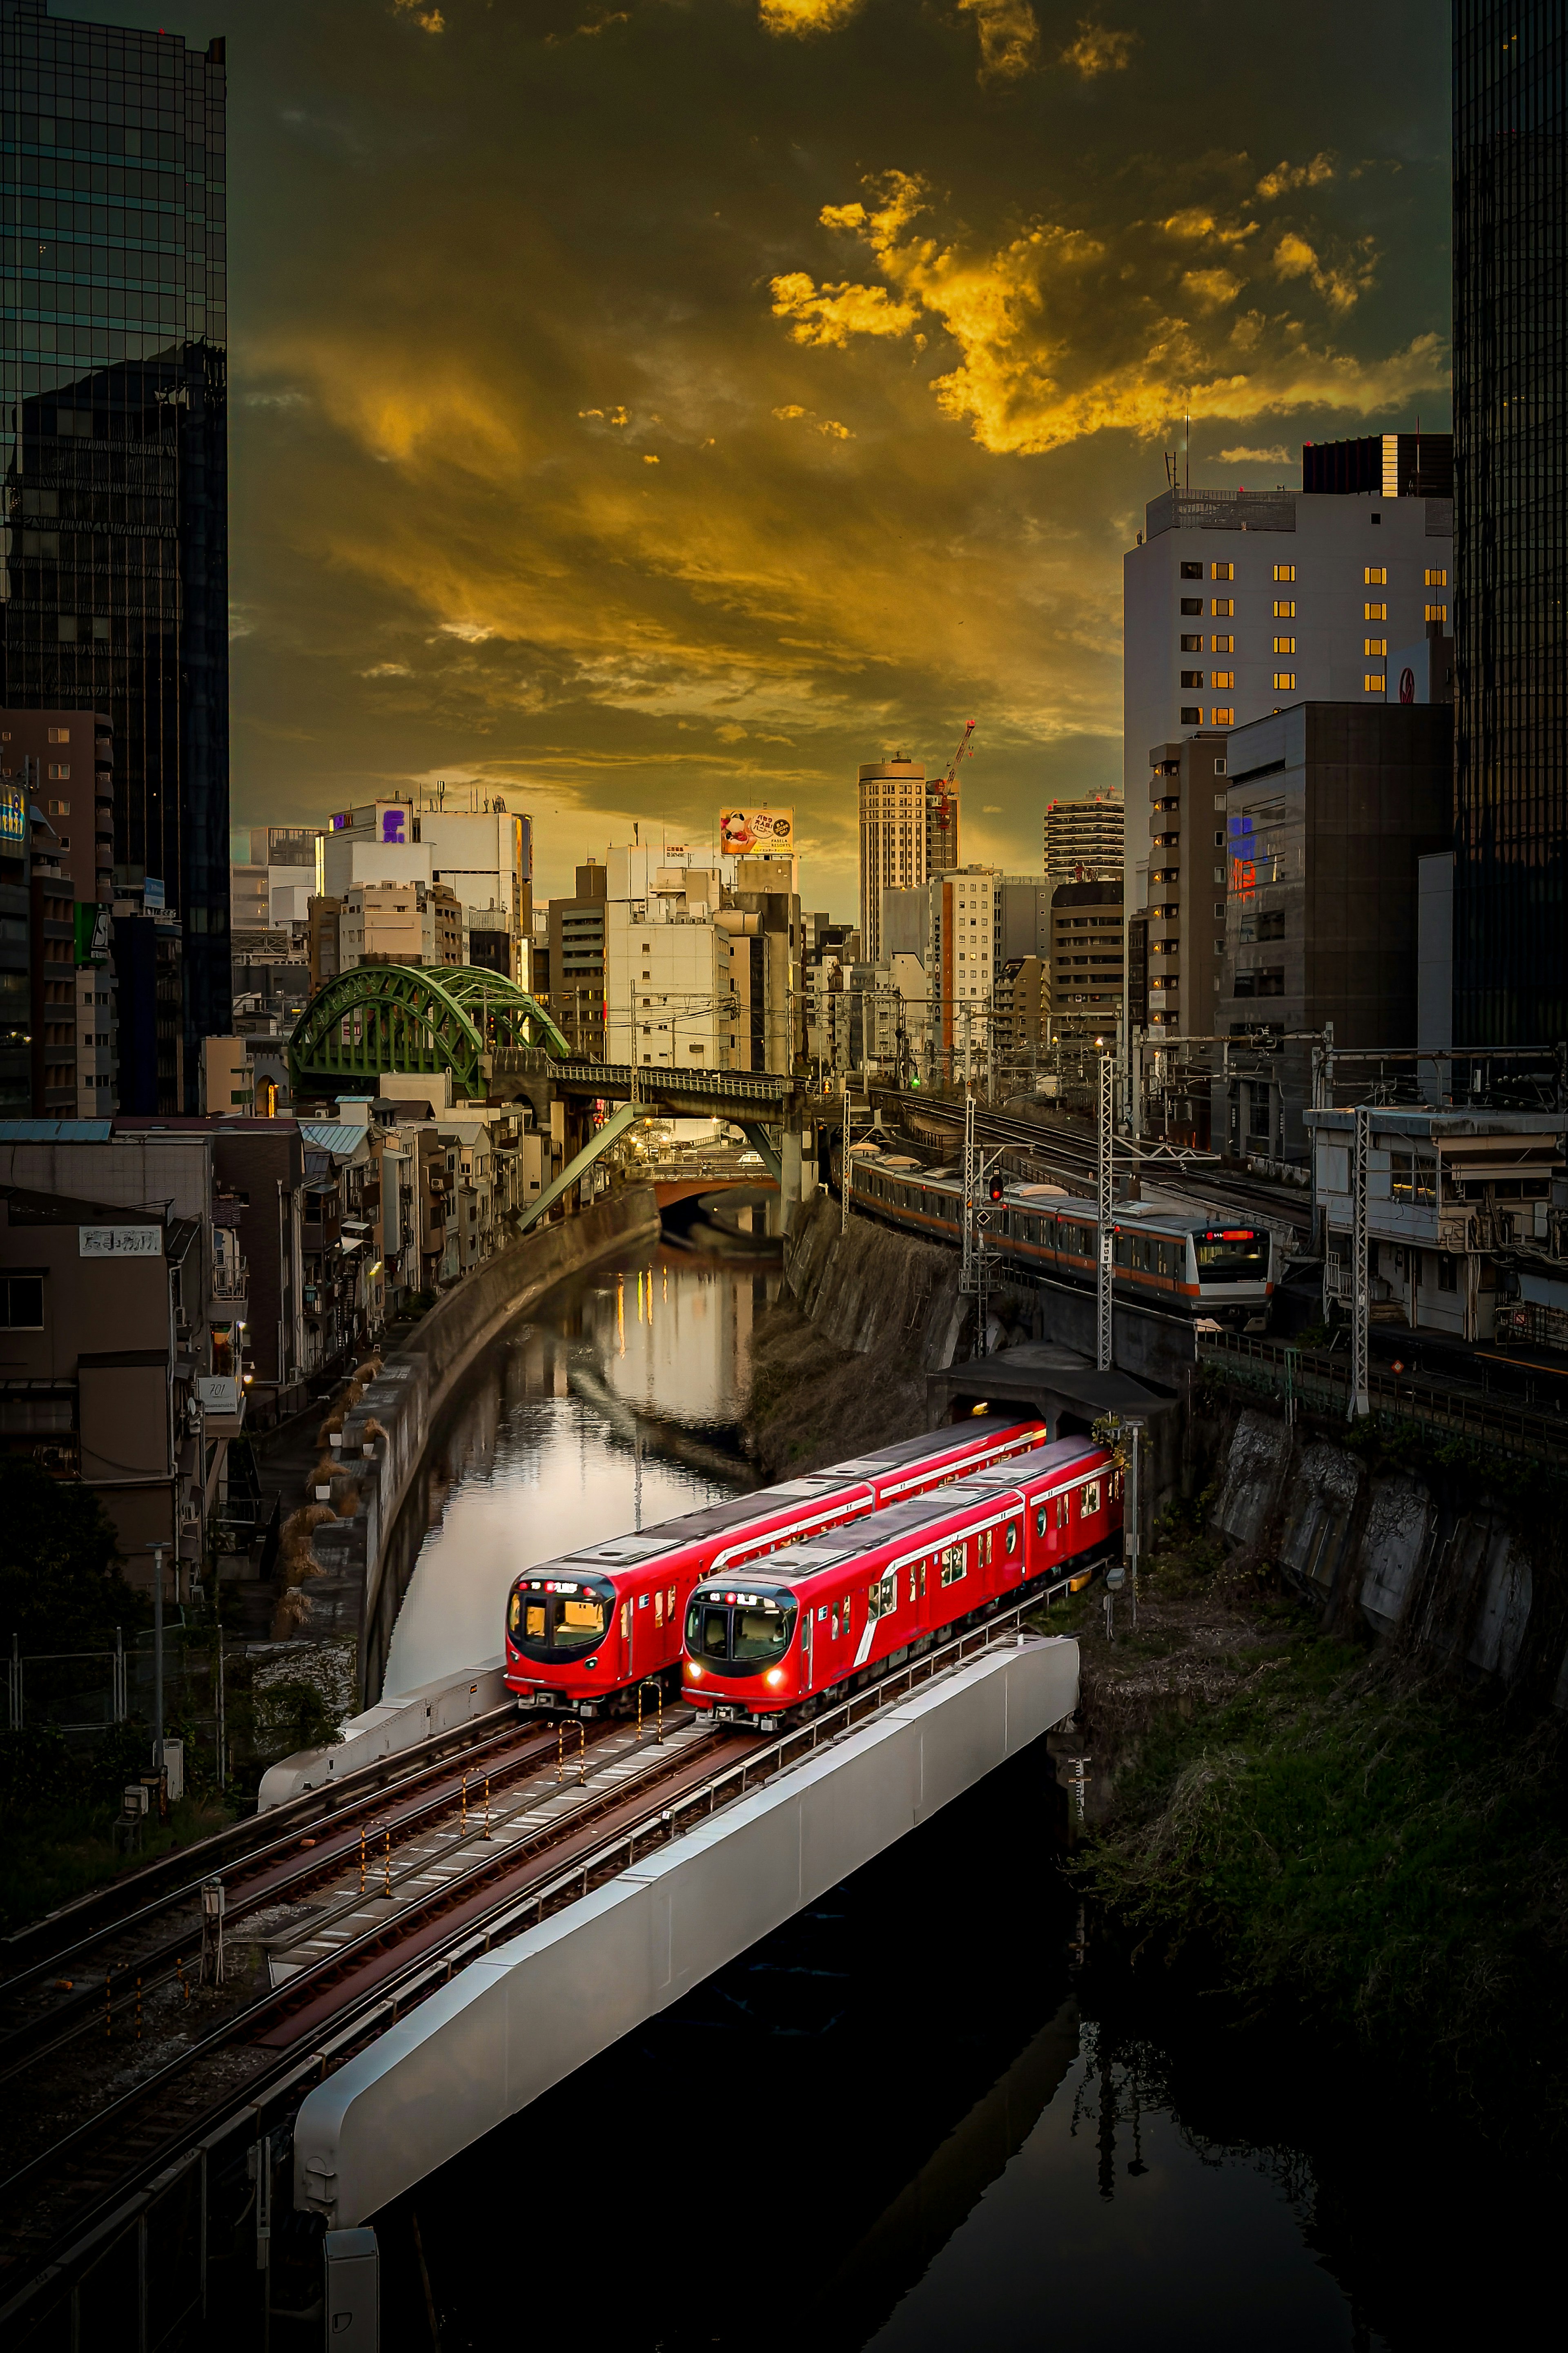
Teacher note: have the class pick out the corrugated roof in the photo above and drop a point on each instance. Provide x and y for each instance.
(56, 1131)
(328, 1136)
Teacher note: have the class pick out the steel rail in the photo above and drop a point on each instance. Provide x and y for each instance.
(391, 1999)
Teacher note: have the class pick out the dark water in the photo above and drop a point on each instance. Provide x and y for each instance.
(924, 2114)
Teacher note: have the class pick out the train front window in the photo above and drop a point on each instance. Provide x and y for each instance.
(558, 1618)
(1233, 1256)
(738, 1637)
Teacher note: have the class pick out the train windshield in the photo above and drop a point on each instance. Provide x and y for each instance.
(738, 1638)
(556, 1617)
(1234, 1255)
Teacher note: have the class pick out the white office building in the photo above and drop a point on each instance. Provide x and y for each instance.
(1237, 603)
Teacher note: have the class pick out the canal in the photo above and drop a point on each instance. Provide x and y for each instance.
(925, 2114)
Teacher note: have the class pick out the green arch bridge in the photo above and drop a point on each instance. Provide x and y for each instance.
(377, 1018)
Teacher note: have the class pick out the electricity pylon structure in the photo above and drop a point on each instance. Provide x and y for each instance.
(1105, 1273)
(979, 1259)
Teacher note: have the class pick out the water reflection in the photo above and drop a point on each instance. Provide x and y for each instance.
(614, 1403)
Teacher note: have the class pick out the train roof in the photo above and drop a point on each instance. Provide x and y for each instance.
(930, 1442)
(898, 1522)
(1040, 1462)
(1061, 1201)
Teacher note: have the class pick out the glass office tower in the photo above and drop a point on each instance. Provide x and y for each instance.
(1510, 522)
(114, 584)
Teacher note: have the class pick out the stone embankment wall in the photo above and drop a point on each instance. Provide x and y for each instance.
(384, 1435)
(1425, 1557)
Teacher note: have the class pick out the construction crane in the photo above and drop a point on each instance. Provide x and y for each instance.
(941, 809)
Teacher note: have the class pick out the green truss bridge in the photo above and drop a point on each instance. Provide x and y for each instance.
(492, 1040)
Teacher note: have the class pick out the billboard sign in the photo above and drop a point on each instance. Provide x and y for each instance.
(13, 813)
(759, 832)
(119, 1241)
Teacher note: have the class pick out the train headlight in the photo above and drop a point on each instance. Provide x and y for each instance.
(774, 1675)
(694, 1671)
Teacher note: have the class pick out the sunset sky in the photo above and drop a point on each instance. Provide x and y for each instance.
(635, 407)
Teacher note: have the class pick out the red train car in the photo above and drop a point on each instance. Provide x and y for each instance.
(585, 1629)
(821, 1616)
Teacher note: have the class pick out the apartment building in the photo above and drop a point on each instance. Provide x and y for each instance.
(892, 812)
(963, 918)
(1087, 969)
(1186, 882)
(401, 922)
(576, 937)
(484, 856)
(1085, 839)
(672, 978)
(1236, 604)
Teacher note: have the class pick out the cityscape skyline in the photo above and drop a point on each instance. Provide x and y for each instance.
(448, 564)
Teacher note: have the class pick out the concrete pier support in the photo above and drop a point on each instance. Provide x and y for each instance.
(789, 1178)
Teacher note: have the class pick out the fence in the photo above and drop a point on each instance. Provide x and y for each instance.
(86, 1692)
(1319, 1381)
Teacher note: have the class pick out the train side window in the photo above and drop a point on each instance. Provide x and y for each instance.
(626, 1621)
(1040, 1519)
(1012, 1538)
(985, 1544)
(669, 1603)
(836, 1622)
(883, 1598)
(911, 1580)
(1090, 1503)
(954, 1565)
(1064, 1509)
(514, 1613)
(535, 1622)
(659, 1607)
(922, 1581)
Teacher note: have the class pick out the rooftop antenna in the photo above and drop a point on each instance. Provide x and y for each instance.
(1188, 422)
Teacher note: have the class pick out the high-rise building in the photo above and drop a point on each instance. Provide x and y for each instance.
(1087, 971)
(1510, 512)
(893, 797)
(1084, 840)
(113, 406)
(1238, 603)
(578, 940)
(941, 825)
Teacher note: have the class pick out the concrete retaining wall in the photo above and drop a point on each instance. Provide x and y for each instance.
(404, 1399)
(517, 2021)
(1441, 1566)
(391, 1724)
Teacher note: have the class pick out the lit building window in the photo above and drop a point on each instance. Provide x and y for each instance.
(1284, 608)
(1284, 572)
(1284, 644)
(1375, 682)
(1375, 612)
(1221, 679)
(1376, 576)
(1222, 718)
(1223, 608)
(1437, 613)
(1284, 682)
(1377, 645)
(1222, 645)
(1222, 571)
(1435, 580)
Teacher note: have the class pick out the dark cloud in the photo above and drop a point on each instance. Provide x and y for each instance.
(637, 405)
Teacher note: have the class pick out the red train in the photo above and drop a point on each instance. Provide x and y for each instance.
(594, 1623)
(823, 1615)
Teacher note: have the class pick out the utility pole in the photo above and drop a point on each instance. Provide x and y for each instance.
(158, 1656)
(1361, 1399)
(1105, 1351)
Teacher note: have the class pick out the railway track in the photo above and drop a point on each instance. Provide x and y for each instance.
(66, 1998)
(1069, 1152)
(375, 1932)
(348, 1976)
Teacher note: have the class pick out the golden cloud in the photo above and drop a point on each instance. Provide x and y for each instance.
(1284, 176)
(429, 19)
(1276, 455)
(1098, 50)
(805, 16)
(1060, 335)
(1009, 37)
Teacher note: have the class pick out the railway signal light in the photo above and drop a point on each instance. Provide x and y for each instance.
(996, 1187)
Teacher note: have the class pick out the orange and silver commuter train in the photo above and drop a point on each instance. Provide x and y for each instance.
(1166, 1256)
(583, 1630)
(811, 1622)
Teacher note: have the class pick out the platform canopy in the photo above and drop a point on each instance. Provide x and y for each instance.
(377, 1018)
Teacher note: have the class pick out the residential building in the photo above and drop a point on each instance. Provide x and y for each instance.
(228, 1077)
(51, 951)
(1021, 1004)
(1465, 1233)
(1088, 972)
(1085, 839)
(1185, 881)
(672, 978)
(1330, 808)
(107, 1241)
(400, 922)
(115, 372)
(325, 941)
(1239, 603)
(577, 932)
(1511, 425)
(16, 927)
(273, 889)
(892, 839)
(259, 1171)
(962, 920)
